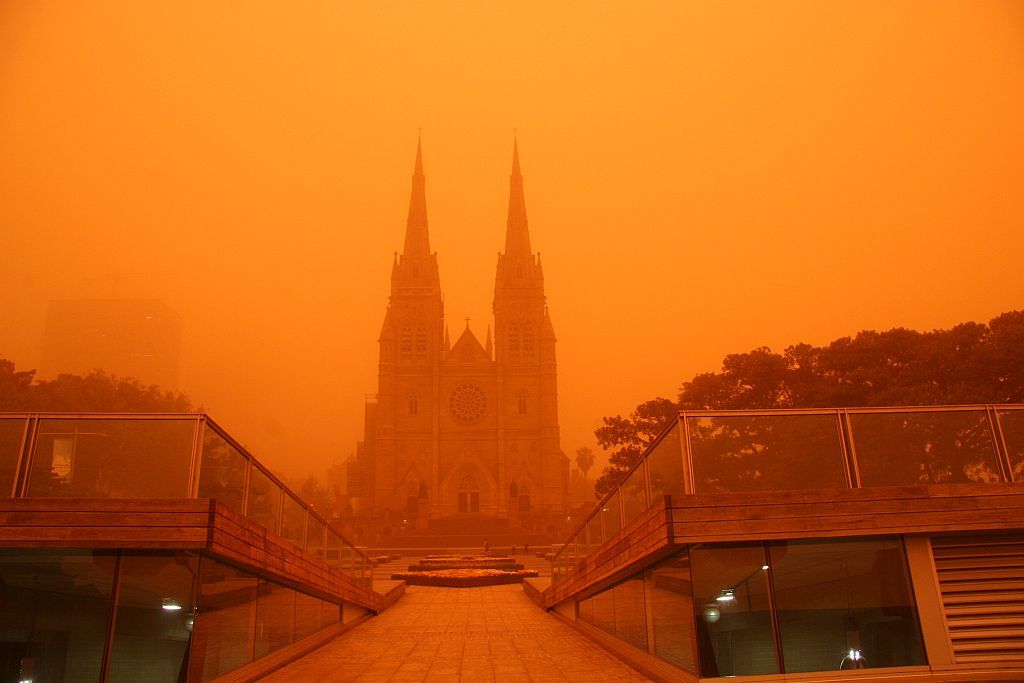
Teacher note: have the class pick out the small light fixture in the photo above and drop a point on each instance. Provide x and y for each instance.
(712, 614)
(764, 567)
(726, 596)
(170, 604)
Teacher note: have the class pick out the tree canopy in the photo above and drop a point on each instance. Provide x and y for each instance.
(97, 391)
(968, 363)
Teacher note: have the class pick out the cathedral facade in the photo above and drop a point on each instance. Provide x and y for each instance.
(464, 429)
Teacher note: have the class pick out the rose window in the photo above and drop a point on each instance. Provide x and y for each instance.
(467, 403)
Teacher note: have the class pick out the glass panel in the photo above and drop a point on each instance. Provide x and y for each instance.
(766, 453)
(604, 611)
(307, 615)
(585, 612)
(665, 465)
(594, 539)
(154, 617)
(669, 589)
(264, 499)
(275, 617)
(54, 613)
(293, 522)
(581, 545)
(630, 615)
(924, 448)
(347, 560)
(222, 470)
(222, 638)
(845, 604)
(1012, 424)
(315, 537)
(334, 544)
(112, 458)
(634, 494)
(330, 613)
(610, 516)
(734, 626)
(11, 432)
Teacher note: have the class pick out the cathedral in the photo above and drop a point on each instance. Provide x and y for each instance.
(467, 430)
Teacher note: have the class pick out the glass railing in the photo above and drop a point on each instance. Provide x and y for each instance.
(161, 456)
(785, 450)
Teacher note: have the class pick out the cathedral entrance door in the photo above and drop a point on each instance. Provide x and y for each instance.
(469, 501)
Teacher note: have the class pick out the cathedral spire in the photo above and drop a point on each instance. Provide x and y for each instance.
(517, 233)
(417, 240)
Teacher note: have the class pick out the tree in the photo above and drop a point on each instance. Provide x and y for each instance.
(968, 363)
(94, 392)
(584, 459)
(629, 436)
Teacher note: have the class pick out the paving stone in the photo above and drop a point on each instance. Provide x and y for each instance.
(471, 635)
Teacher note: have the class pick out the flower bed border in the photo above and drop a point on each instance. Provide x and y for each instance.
(457, 581)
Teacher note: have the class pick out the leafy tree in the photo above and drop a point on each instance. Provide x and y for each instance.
(584, 459)
(968, 363)
(95, 392)
(629, 436)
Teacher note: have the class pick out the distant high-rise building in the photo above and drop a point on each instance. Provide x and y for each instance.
(137, 338)
(470, 428)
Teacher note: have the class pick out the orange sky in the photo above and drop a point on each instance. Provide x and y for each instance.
(701, 178)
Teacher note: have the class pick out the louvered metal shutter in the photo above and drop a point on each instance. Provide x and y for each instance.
(981, 578)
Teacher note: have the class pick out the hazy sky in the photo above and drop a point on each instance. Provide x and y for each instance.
(701, 178)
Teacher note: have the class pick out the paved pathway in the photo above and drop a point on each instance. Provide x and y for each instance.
(460, 634)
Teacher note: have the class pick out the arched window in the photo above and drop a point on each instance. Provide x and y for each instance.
(421, 341)
(524, 497)
(406, 341)
(521, 403)
(414, 404)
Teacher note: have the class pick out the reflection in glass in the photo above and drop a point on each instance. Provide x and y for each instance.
(634, 494)
(315, 537)
(734, 625)
(594, 536)
(275, 617)
(264, 499)
(945, 447)
(610, 515)
(740, 453)
(222, 470)
(330, 613)
(604, 611)
(665, 466)
(221, 638)
(585, 610)
(10, 445)
(844, 604)
(307, 615)
(112, 458)
(54, 613)
(1011, 423)
(293, 521)
(669, 589)
(630, 614)
(155, 614)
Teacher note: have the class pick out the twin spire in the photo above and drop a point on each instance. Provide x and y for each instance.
(517, 232)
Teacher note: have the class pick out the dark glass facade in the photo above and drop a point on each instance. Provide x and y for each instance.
(175, 614)
(747, 609)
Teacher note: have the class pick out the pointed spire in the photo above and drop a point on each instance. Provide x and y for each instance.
(417, 240)
(517, 233)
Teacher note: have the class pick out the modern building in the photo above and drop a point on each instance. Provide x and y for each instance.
(155, 548)
(466, 430)
(136, 338)
(868, 544)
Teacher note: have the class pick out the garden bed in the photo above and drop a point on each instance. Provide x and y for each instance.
(463, 578)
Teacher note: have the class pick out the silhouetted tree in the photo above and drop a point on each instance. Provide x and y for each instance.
(969, 363)
(95, 392)
(584, 459)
